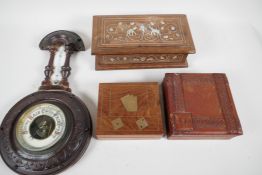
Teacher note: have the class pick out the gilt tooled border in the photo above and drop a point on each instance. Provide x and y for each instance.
(178, 94)
(221, 85)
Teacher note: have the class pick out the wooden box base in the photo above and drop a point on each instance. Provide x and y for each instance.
(140, 61)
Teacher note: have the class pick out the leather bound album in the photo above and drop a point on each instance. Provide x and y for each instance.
(129, 111)
(199, 106)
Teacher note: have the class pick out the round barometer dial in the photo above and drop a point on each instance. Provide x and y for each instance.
(49, 130)
(40, 127)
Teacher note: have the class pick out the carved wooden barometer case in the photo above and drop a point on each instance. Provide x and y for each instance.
(49, 130)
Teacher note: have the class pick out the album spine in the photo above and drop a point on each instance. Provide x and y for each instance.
(169, 99)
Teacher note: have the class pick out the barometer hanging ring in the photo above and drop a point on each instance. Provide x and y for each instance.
(49, 130)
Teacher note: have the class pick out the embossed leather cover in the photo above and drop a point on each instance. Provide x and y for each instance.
(129, 111)
(141, 41)
(200, 106)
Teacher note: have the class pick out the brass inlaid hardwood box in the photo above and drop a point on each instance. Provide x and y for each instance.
(200, 106)
(141, 41)
(129, 111)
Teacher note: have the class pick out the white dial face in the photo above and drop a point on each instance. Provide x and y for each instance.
(40, 127)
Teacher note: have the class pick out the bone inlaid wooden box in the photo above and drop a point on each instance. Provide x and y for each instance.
(129, 111)
(200, 106)
(141, 41)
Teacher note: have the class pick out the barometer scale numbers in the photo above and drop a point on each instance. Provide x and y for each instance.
(24, 134)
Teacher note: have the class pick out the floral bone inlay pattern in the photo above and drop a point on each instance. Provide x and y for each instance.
(145, 30)
(154, 58)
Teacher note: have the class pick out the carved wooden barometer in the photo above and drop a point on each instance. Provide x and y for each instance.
(49, 130)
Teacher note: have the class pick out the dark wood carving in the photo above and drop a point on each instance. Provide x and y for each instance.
(141, 41)
(52, 42)
(67, 152)
(200, 106)
(129, 111)
(69, 149)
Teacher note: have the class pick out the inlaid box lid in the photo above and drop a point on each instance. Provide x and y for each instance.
(141, 34)
(129, 111)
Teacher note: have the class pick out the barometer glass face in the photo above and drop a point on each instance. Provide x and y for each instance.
(40, 127)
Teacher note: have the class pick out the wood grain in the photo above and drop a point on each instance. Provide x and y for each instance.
(115, 120)
(141, 41)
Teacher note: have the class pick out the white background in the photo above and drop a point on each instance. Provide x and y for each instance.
(228, 38)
